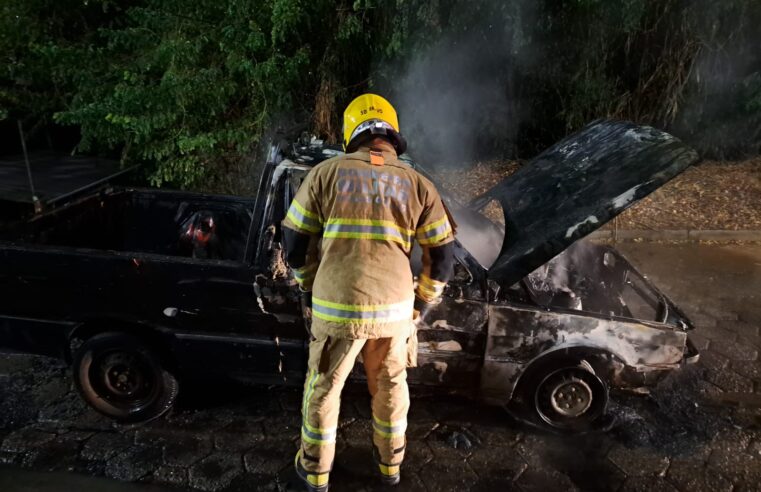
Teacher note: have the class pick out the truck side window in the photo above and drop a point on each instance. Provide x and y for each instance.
(213, 231)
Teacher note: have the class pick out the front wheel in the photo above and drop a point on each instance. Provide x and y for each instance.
(122, 378)
(566, 395)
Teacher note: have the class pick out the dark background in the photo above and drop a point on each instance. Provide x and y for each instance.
(190, 89)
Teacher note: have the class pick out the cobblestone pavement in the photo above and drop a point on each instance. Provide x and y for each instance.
(700, 430)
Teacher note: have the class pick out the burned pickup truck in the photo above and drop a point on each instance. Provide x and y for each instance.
(142, 291)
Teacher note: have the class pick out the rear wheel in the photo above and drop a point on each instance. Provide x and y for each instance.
(567, 395)
(121, 377)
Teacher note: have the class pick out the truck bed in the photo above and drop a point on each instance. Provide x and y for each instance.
(146, 221)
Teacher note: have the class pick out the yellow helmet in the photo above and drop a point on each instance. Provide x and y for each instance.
(370, 114)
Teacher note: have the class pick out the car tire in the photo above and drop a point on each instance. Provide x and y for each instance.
(566, 395)
(121, 377)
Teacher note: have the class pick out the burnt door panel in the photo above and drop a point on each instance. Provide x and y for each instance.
(452, 339)
(519, 335)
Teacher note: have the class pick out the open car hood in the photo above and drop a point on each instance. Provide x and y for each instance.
(575, 187)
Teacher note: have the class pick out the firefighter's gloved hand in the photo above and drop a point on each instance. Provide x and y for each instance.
(305, 297)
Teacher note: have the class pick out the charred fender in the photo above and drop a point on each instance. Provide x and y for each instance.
(519, 336)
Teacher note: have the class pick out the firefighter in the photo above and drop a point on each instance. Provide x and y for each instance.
(348, 236)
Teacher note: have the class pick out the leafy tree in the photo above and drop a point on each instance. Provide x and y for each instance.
(190, 84)
(42, 43)
(189, 88)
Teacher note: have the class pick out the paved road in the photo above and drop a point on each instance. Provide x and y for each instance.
(14, 479)
(700, 430)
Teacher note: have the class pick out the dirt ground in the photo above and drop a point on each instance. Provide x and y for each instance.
(714, 195)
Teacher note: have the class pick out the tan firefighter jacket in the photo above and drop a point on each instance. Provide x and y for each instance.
(368, 208)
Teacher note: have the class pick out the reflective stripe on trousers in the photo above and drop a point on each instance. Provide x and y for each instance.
(330, 362)
(314, 435)
(389, 429)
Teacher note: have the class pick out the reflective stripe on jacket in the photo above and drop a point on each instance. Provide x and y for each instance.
(368, 217)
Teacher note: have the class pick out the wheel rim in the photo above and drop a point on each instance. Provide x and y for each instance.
(570, 398)
(127, 380)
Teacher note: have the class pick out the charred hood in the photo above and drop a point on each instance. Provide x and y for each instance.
(576, 186)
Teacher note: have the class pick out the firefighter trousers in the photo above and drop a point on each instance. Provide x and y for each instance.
(330, 362)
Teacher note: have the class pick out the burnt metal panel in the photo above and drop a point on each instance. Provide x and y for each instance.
(517, 336)
(576, 186)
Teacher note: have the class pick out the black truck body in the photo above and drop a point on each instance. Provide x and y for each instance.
(117, 260)
(550, 315)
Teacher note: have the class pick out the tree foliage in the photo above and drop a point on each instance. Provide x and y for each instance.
(43, 52)
(190, 87)
(191, 84)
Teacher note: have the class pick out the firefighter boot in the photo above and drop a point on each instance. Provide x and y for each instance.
(314, 482)
(390, 480)
(390, 475)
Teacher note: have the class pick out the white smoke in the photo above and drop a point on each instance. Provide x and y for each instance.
(454, 97)
(566, 272)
